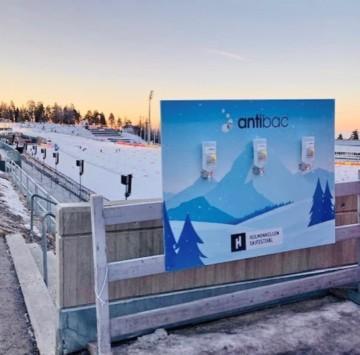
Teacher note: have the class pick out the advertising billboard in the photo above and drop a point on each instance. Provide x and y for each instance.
(245, 178)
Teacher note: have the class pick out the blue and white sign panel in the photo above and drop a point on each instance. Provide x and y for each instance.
(244, 178)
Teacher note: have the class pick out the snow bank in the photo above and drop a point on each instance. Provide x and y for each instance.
(14, 217)
(11, 199)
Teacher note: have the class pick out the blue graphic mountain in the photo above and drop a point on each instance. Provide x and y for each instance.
(200, 210)
(233, 195)
(279, 184)
(199, 188)
(241, 195)
(324, 176)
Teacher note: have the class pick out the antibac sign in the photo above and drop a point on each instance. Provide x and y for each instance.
(244, 178)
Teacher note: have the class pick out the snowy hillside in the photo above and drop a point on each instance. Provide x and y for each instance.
(38, 129)
(104, 162)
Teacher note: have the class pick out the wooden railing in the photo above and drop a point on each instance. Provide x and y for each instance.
(120, 270)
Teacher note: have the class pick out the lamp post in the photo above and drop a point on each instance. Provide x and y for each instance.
(43, 152)
(80, 164)
(149, 117)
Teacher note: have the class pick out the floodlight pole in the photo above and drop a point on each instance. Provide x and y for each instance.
(149, 117)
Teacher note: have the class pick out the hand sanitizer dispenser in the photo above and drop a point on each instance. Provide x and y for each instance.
(208, 159)
(307, 153)
(260, 155)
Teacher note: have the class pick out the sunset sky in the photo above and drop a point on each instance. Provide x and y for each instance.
(108, 54)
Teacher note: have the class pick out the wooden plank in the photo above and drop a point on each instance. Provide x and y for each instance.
(346, 204)
(346, 218)
(347, 188)
(151, 265)
(100, 274)
(182, 313)
(140, 243)
(133, 212)
(129, 269)
(351, 231)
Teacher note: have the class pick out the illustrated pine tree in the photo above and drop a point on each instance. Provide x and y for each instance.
(328, 206)
(170, 243)
(316, 212)
(189, 253)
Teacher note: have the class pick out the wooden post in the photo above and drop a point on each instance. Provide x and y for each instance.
(100, 275)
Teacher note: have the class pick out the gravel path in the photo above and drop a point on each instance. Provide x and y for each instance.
(15, 332)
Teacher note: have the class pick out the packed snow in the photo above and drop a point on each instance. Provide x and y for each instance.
(104, 162)
(319, 326)
(345, 173)
(13, 214)
(11, 198)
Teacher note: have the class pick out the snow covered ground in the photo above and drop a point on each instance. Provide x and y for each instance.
(105, 162)
(13, 214)
(319, 326)
(344, 173)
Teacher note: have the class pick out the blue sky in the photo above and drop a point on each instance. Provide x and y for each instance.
(109, 54)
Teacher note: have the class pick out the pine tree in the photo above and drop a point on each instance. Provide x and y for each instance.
(316, 213)
(102, 119)
(189, 254)
(170, 243)
(328, 206)
(340, 137)
(111, 120)
(354, 135)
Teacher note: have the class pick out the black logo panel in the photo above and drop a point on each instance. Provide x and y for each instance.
(238, 242)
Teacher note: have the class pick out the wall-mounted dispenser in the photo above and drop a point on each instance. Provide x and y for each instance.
(307, 153)
(260, 155)
(208, 159)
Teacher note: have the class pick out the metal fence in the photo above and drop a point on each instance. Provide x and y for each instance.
(28, 187)
(9, 153)
(68, 184)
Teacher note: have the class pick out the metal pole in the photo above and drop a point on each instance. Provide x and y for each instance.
(149, 119)
(44, 246)
(32, 210)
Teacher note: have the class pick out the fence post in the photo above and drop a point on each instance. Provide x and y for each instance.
(48, 210)
(36, 193)
(100, 275)
(21, 182)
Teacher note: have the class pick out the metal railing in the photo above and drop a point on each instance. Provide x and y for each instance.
(32, 213)
(44, 243)
(29, 187)
(68, 184)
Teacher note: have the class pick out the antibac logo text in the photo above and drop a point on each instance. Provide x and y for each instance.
(262, 121)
